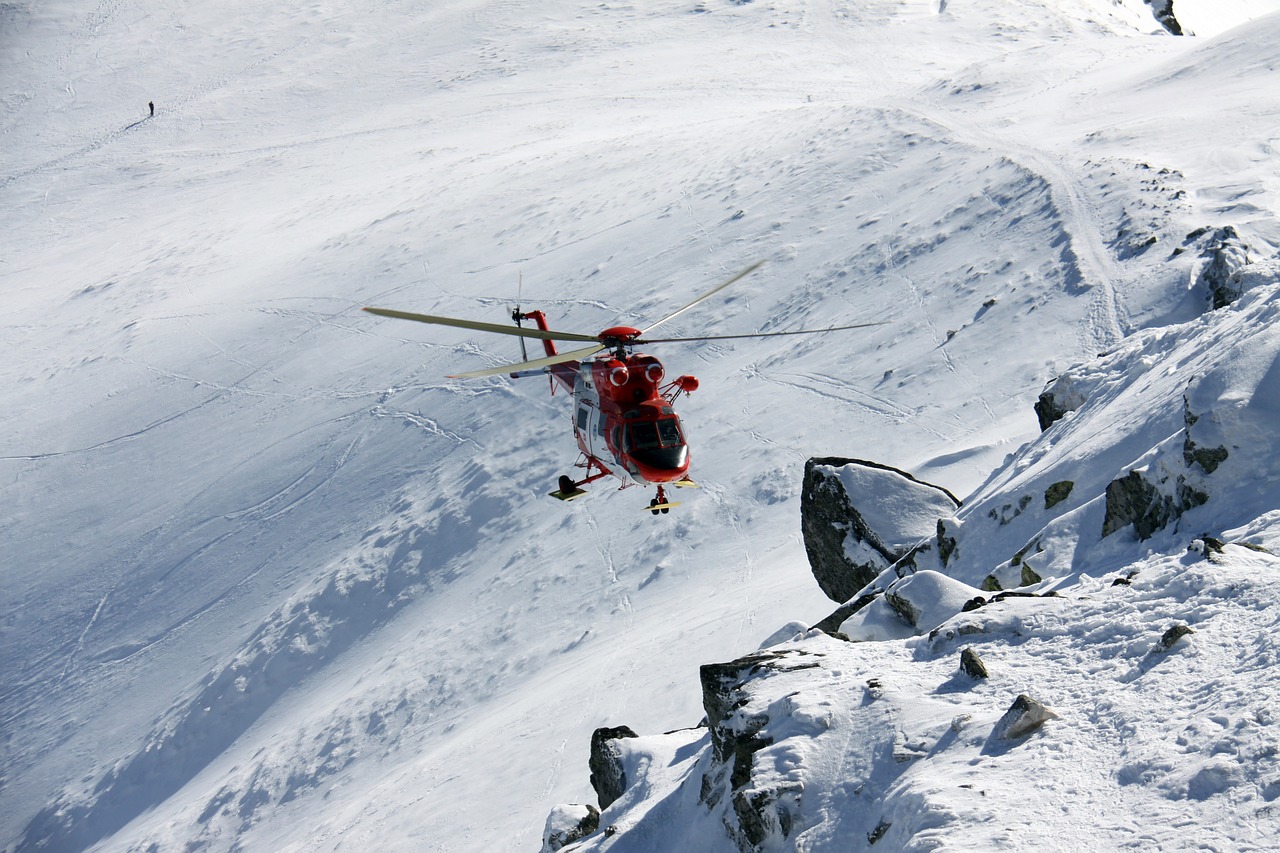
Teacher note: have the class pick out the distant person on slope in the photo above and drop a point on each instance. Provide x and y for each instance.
(152, 105)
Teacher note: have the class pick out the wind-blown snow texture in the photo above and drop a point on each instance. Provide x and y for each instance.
(270, 581)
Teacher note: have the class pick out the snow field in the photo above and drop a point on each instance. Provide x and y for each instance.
(250, 526)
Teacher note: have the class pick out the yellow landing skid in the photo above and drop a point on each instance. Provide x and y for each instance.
(569, 495)
(657, 508)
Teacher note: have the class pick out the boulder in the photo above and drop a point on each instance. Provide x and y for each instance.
(1225, 255)
(972, 665)
(1163, 12)
(608, 776)
(1173, 635)
(1024, 716)
(1059, 397)
(926, 599)
(567, 824)
(858, 518)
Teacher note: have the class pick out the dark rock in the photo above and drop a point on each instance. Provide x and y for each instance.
(1129, 499)
(1173, 635)
(1049, 409)
(1008, 512)
(1207, 546)
(841, 614)
(1163, 11)
(757, 814)
(608, 777)
(1057, 493)
(1024, 716)
(1226, 254)
(904, 607)
(827, 518)
(1000, 595)
(946, 544)
(1208, 458)
(1133, 500)
(876, 834)
(971, 664)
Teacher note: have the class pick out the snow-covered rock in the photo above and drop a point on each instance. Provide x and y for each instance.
(1171, 437)
(858, 518)
(1024, 716)
(1225, 256)
(567, 823)
(822, 745)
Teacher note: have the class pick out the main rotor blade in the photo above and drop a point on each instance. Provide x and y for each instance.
(707, 295)
(752, 335)
(517, 331)
(547, 361)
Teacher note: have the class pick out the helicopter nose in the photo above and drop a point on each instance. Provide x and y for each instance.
(661, 464)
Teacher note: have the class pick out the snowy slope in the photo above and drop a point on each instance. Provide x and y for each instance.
(269, 579)
(1153, 650)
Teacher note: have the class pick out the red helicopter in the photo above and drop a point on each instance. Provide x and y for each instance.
(624, 415)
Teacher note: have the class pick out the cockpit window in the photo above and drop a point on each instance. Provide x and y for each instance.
(669, 432)
(644, 435)
(649, 434)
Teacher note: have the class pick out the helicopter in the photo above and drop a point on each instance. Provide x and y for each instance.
(624, 419)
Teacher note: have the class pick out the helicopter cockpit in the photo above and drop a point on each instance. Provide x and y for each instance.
(657, 445)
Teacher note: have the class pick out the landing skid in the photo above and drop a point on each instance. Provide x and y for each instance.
(561, 495)
(570, 489)
(660, 504)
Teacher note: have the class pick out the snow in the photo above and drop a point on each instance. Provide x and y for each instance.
(271, 581)
(903, 511)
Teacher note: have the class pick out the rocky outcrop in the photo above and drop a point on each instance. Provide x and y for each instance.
(567, 824)
(1208, 458)
(1148, 506)
(1153, 498)
(858, 518)
(1057, 399)
(1057, 493)
(757, 812)
(1173, 635)
(1163, 11)
(926, 599)
(1225, 255)
(608, 776)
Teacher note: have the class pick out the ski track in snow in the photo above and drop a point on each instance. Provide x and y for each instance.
(1096, 267)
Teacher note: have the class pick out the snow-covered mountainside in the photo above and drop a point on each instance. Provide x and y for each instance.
(1111, 685)
(271, 581)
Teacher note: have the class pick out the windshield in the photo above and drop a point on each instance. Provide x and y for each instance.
(648, 434)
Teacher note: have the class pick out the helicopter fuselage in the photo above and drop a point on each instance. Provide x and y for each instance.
(624, 416)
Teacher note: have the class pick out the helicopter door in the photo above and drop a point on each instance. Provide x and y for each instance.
(582, 425)
(593, 435)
